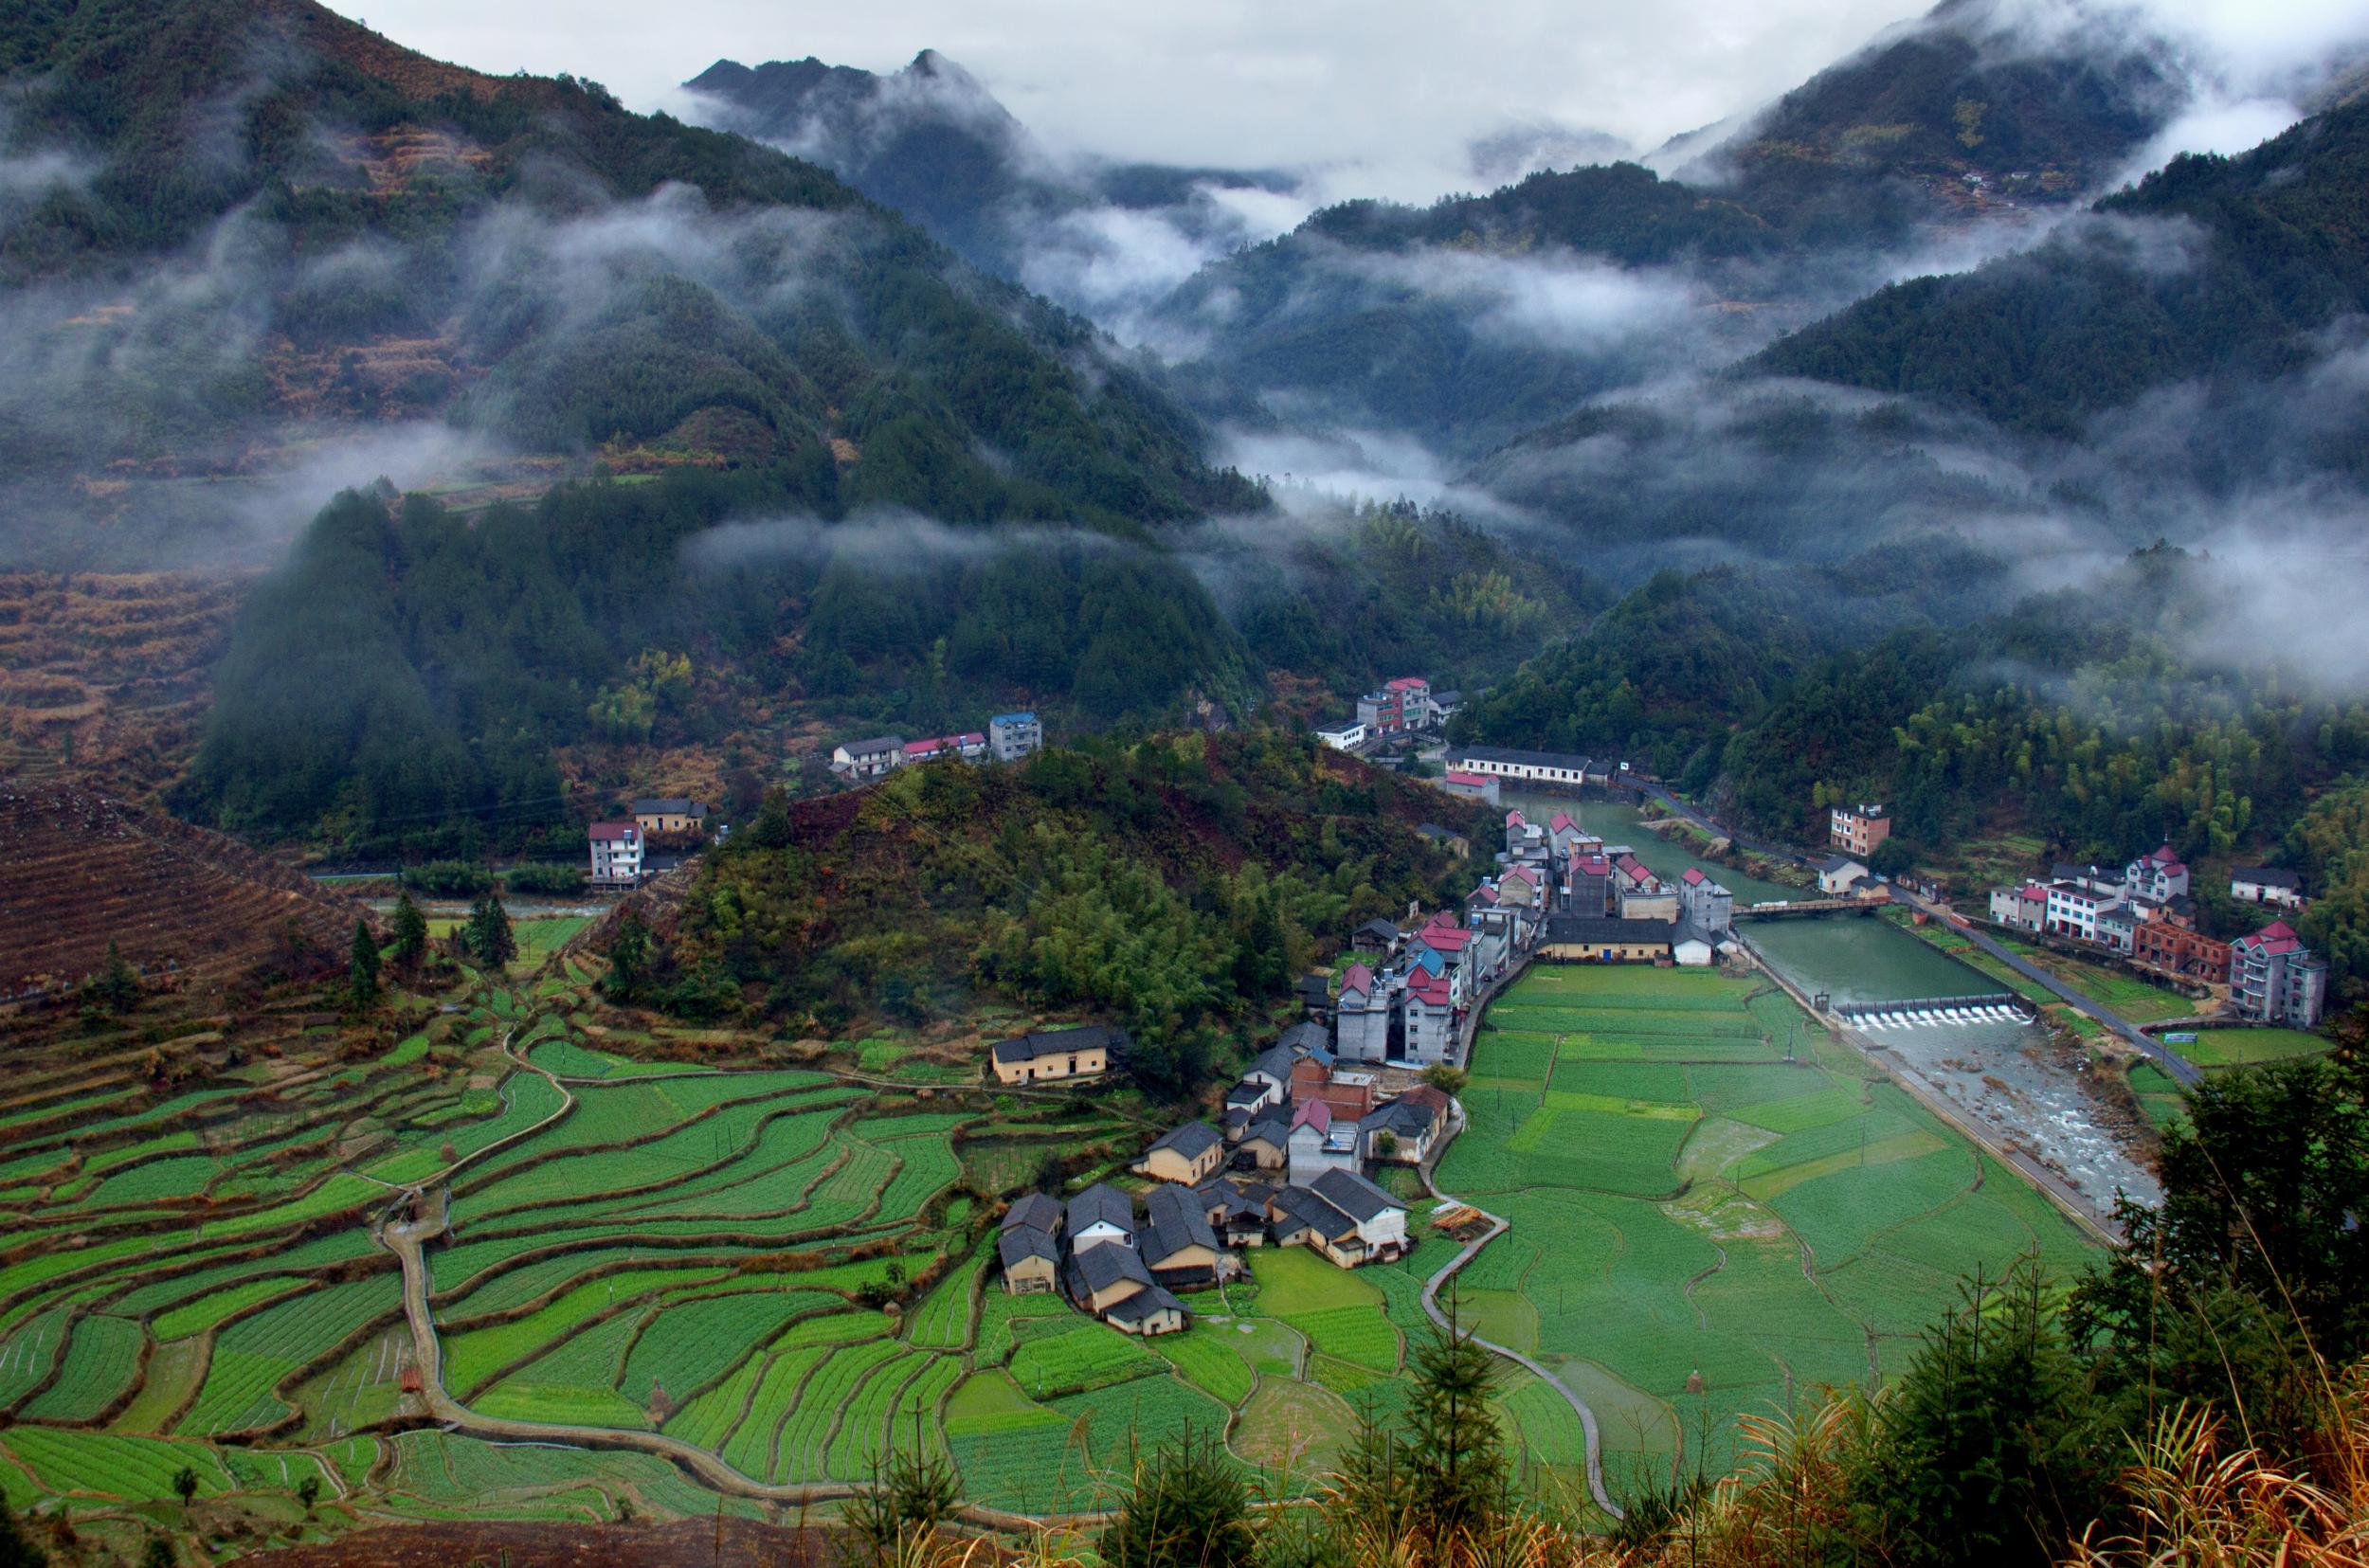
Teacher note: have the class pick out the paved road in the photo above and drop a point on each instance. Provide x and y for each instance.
(1497, 1227)
(1720, 830)
(2180, 1070)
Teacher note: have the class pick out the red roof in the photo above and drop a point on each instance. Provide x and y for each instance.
(1562, 820)
(1695, 876)
(1430, 988)
(1406, 683)
(973, 737)
(2034, 892)
(1313, 1113)
(1527, 874)
(2277, 937)
(614, 830)
(1462, 776)
(1516, 818)
(1445, 939)
(1483, 895)
(1357, 978)
(1596, 865)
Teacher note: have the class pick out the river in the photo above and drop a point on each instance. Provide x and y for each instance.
(2032, 1089)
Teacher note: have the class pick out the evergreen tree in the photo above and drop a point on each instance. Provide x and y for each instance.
(117, 986)
(362, 965)
(1186, 1506)
(489, 935)
(410, 930)
(628, 953)
(1458, 1477)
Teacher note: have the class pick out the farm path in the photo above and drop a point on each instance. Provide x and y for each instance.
(1498, 1227)
(408, 1239)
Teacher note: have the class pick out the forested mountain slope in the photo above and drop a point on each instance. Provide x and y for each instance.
(232, 228)
(2214, 266)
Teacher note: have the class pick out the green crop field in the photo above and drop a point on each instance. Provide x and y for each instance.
(1688, 1210)
(2249, 1046)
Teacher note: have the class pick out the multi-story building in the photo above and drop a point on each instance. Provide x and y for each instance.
(1012, 736)
(616, 854)
(2072, 910)
(1708, 907)
(1856, 830)
(1343, 737)
(2024, 908)
(2170, 948)
(2274, 978)
(1361, 1016)
(1400, 705)
(869, 759)
(2158, 877)
(669, 817)
(2118, 926)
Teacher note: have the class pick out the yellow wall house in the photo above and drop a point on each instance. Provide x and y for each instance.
(1055, 1055)
(1190, 1154)
(676, 815)
(1582, 939)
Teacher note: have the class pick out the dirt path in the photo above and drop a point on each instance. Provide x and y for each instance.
(1498, 1227)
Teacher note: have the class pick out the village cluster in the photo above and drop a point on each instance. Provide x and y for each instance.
(1289, 1170)
(1008, 738)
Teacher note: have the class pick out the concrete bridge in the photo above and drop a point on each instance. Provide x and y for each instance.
(1785, 907)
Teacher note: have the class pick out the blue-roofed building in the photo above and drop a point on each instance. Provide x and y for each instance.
(1012, 736)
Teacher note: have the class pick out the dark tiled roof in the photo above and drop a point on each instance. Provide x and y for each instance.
(2268, 877)
(1146, 1302)
(672, 805)
(1353, 1195)
(1098, 1204)
(1019, 1245)
(1099, 1268)
(1302, 1207)
(1523, 759)
(1179, 1218)
(1192, 1140)
(1058, 1042)
(1304, 1040)
(1036, 1211)
(1600, 929)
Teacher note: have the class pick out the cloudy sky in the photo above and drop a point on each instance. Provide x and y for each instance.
(1394, 88)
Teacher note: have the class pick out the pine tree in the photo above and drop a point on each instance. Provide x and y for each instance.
(117, 986)
(1455, 1454)
(410, 930)
(489, 935)
(362, 965)
(628, 952)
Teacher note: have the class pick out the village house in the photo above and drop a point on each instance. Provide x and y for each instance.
(672, 817)
(1012, 736)
(1188, 1154)
(2267, 885)
(2274, 978)
(2158, 877)
(1401, 1132)
(616, 854)
(1178, 1243)
(1237, 1210)
(2023, 909)
(1445, 838)
(2074, 909)
(1343, 737)
(1317, 1144)
(1348, 1093)
(1839, 875)
(970, 747)
(1430, 1017)
(1029, 1247)
(1553, 769)
(1101, 1277)
(1463, 782)
(1266, 1144)
(868, 759)
(1595, 939)
(2116, 927)
(1375, 936)
(1148, 1311)
(1361, 1017)
(1856, 830)
(1101, 1215)
(1642, 894)
(1342, 1216)
(2173, 949)
(1055, 1055)
(1704, 905)
(1400, 705)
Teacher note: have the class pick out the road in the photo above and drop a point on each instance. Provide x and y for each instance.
(2180, 1070)
(1719, 830)
(1497, 1227)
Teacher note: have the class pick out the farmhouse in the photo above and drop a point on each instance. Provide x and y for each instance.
(1178, 1244)
(868, 759)
(1343, 1217)
(1187, 1154)
(1594, 939)
(2265, 885)
(1052, 1055)
(2159, 876)
(2274, 978)
(1148, 1311)
(1031, 1259)
(1399, 1133)
(2024, 908)
(1100, 1278)
(1318, 1143)
(1463, 782)
(670, 817)
(1266, 1144)
(616, 854)
(1101, 1216)
(1839, 875)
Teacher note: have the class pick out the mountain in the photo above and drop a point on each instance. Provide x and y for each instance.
(934, 143)
(2216, 267)
(246, 239)
(1473, 320)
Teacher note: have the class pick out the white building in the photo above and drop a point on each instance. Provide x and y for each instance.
(1838, 875)
(1012, 736)
(1361, 1016)
(2158, 878)
(2072, 910)
(2023, 908)
(616, 854)
(2267, 885)
(868, 759)
(1343, 737)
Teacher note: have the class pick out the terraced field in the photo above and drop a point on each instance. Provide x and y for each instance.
(1702, 1226)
